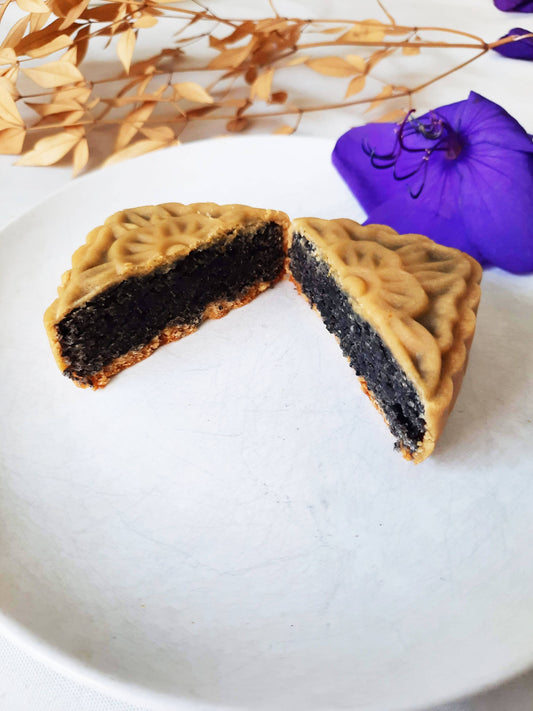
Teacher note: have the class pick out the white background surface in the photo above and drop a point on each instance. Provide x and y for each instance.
(26, 684)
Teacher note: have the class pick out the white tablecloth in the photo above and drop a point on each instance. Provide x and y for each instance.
(27, 684)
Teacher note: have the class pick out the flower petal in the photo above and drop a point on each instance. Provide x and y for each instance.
(519, 49)
(483, 121)
(407, 216)
(514, 5)
(477, 180)
(498, 209)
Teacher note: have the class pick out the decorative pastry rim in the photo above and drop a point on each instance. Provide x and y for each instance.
(103, 260)
(438, 400)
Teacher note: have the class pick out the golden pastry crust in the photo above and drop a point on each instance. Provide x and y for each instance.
(421, 297)
(136, 241)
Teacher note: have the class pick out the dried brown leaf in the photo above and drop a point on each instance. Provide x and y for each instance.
(216, 43)
(51, 149)
(7, 56)
(125, 47)
(60, 42)
(80, 157)
(66, 118)
(81, 43)
(385, 93)
(145, 145)
(200, 111)
(145, 21)
(76, 10)
(125, 100)
(144, 84)
(262, 86)
(158, 133)
(132, 123)
(284, 130)
(12, 140)
(72, 93)
(148, 67)
(332, 66)
(16, 33)
(365, 31)
(54, 107)
(275, 45)
(103, 13)
(232, 58)
(9, 112)
(61, 8)
(300, 59)
(37, 6)
(377, 57)
(236, 125)
(34, 40)
(245, 28)
(279, 97)
(275, 24)
(54, 74)
(357, 62)
(333, 30)
(8, 79)
(193, 92)
(394, 116)
(234, 103)
(355, 86)
(3, 7)
(243, 107)
(70, 55)
(117, 27)
(410, 51)
(38, 20)
(250, 74)
(398, 30)
(156, 94)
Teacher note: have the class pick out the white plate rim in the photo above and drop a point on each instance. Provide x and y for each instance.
(129, 692)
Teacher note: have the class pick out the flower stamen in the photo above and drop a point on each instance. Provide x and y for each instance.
(434, 129)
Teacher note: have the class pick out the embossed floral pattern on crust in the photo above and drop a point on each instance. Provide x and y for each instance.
(135, 241)
(407, 286)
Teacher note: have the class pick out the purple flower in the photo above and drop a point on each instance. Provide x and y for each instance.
(514, 5)
(519, 49)
(461, 174)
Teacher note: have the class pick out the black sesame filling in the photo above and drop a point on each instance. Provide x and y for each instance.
(368, 355)
(127, 316)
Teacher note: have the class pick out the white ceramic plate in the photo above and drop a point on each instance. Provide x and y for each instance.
(227, 523)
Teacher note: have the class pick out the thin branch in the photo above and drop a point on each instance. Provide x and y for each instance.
(271, 3)
(384, 9)
(450, 71)
(229, 90)
(297, 110)
(386, 45)
(508, 40)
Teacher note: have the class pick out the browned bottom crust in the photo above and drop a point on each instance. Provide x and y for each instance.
(217, 309)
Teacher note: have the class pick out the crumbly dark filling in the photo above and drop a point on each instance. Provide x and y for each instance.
(128, 315)
(368, 355)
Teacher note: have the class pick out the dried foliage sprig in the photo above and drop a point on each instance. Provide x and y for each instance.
(148, 104)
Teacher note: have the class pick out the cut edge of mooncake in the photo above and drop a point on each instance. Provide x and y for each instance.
(137, 247)
(412, 302)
